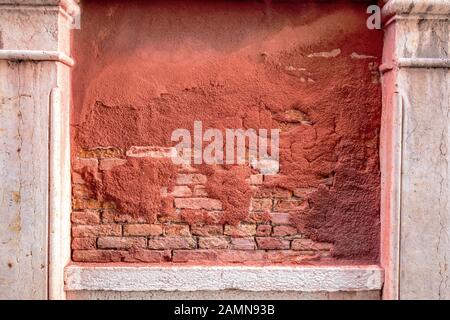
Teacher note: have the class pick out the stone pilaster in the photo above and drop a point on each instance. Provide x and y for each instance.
(415, 146)
(34, 137)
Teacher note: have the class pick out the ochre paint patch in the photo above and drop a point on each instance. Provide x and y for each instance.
(147, 68)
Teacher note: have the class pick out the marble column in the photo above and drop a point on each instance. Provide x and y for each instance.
(35, 67)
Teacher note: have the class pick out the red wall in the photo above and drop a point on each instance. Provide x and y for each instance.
(145, 68)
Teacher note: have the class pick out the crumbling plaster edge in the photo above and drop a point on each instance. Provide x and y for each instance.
(212, 278)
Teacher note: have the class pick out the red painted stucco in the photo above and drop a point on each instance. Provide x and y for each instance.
(146, 68)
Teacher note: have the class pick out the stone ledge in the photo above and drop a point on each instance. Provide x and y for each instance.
(79, 277)
(430, 7)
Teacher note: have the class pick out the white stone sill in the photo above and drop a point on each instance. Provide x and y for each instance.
(213, 278)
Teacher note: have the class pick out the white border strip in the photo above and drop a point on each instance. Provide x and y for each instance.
(212, 278)
(36, 55)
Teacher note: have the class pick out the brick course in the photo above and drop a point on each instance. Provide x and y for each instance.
(189, 228)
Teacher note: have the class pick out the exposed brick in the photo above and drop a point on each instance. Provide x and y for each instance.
(113, 216)
(150, 256)
(200, 217)
(77, 178)
(200, 191)
(283, 256)
(80, 163)
(181, 191)
(303, 192)
(121, 242)
(83, 204)
(309, 245)
(213, 243)
(85, 217)
(282, 231)
(151, 152)
(263, 230)
(172, 217)
(109, 163)
(193, 255)
(261, 205)
(84, 243)
(142, 230)
(280, 218)
(97, 256)
(177, 230)
(241, 230)
(191, 178)
(289, 205)
(243, 244)
(258, 217)
(269, 243)
(82, 191)
(240, 256)
(256, 179)
(161, 243)
(207, 230)
(108, 152)
(96, 231)
(272, 193)
(198, 203)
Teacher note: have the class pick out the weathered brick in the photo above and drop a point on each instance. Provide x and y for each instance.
(213, 243)
(282, 231)
(142, 230)
(269, 243)
(96, 230)
(177, 230)
(303, 192)
(161, 243)
(77, 178)
(200, 191)
(151, 152)
(207, 230)
(258, 217)
(150, 256)
(289, 205)
(261, 205)
(172, 217)
(193, 255)
(191, 178)
(280, 218)
(198, 203)
(83, 204)
(85, 217)
(181, 191)
(82, 191)
(243, 244)
(256, 179)
(80, 163)
(263, 230)
(121, 242)
(284, 256)
(101, 152)
(113, 216)
(240, 256)
(84, 243)
(97, 255)
(272, 193)
(109, 163)
(241, 230)
(309, 245)
(200, 217)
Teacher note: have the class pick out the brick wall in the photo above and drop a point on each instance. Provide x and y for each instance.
(194, 231)
(147, 68)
